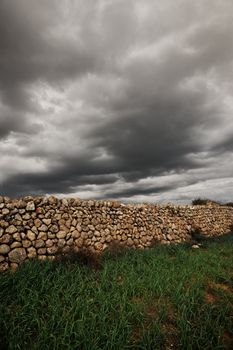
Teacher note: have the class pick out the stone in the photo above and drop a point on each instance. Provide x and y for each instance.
(84, 235)
(52, 250)
(14, 266)
(42, 257)
(79, 228)
(2, 258)
(41, 251)
(98, 246)
(5, 239)
(64, 228)
(5, 211)
(61, 234)
(11, 229)
(75, 234)
(144, 239)
(52, 200)
(23, 235)
(18, 217)
(42, 235)
(34, 229)
(49, 243)
(79, 242)
(17, 236)
(17, 255)
(30, 206)
(37, 223)
(31, 235)
(70, 241)
(4, 249)
(51, 235)
(21, 204)
(39, 243)
(108, 238)
(31, 252)
(61, 243)
(130, 242)
(51, 257)
(27, 216)
(43, 228)
(26, 243)
(47, 222)
(124, 237)
(3, 224)
(195, 246)
(65, 202)
(4, 266)
(54, 229)
(16, 245)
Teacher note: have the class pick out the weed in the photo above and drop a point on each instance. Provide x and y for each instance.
(167, 297)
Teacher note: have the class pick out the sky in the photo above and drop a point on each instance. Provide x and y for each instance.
(127, 100)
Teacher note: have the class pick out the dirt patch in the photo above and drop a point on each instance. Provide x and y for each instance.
(224, 287)
(210, 298)
(211, 294)
(151, 312)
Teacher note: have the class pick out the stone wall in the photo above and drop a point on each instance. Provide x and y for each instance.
(40, 226)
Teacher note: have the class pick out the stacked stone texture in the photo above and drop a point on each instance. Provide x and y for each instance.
(39, 227)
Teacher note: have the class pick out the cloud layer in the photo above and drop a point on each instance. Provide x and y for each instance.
(115, 99)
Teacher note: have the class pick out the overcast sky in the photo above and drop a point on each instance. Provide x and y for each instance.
(128, 100)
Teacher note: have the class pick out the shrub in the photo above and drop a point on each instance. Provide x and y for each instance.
(199, 201)
(204, 201)
(229, 204)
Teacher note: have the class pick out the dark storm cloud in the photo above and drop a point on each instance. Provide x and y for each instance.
(129, 193)
(104, 96)
(52, 182)
(17, 122)
(160, 136)
(30, 51)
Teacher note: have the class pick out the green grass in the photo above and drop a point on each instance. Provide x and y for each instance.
(171, 297)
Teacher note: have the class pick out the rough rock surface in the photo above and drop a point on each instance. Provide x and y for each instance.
(17, 255)
(38, 226)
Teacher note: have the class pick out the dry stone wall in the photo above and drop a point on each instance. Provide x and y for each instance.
(33, 227)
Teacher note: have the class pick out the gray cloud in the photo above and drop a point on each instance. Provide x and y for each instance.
(99, 98)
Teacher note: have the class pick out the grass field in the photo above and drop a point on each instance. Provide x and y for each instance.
(168, 297)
